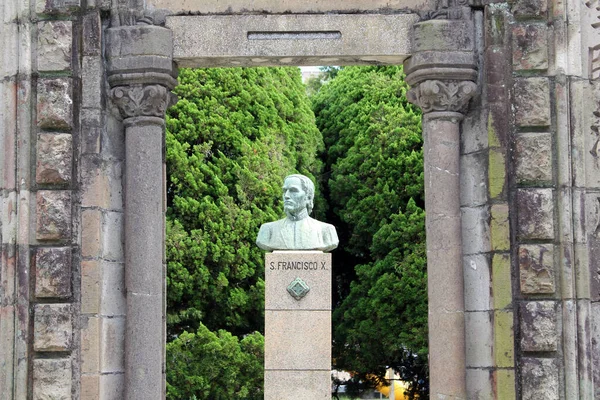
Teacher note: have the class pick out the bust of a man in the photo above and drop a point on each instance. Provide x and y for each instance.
(297, 231)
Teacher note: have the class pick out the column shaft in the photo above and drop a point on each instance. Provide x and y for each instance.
(444, 256)
(144, 225)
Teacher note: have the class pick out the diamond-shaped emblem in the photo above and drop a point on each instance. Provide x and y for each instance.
(298, 288)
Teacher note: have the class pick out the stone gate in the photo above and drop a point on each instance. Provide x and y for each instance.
(510, 97)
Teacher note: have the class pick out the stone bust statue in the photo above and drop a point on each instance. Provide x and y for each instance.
(297, 231)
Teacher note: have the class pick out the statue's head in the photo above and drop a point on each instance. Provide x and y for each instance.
(298, 193)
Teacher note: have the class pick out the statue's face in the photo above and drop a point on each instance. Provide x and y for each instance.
(294, 197)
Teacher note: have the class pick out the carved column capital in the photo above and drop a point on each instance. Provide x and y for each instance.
(140, 97)
(442, 70)
(442, 95)
(142, 100)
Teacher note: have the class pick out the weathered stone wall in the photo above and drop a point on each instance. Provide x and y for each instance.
(530, 311)
(528, 194)
(62, 316)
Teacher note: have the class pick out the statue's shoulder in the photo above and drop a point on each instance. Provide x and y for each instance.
(321, 224)
(269, 226)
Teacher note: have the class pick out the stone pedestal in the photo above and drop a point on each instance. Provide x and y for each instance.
(298, 325)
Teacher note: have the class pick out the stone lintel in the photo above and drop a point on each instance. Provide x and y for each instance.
(229, 7)
(267, 40)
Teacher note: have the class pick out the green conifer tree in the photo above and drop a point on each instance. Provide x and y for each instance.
(231, 139)
(374, 161)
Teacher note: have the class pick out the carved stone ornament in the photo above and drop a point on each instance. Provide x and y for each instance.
(433, 95)
(141, 100)
(448, 9)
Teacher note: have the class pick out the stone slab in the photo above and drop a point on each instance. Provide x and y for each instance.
(536, 268)
(54, 45)
(52, 379)
(540, 379)
(298, 340)
(538, 326)
(53, 327)
(53, 209)
(263, 40)
(283, 267)
(53, 272)
(54, 158)
(287, 6)
(297, 385)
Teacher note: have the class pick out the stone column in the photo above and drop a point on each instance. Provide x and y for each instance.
(140, 75)
(442, 74)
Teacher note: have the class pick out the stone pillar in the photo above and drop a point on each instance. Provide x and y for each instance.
(442, 72)
(141, 75)
(297, 325)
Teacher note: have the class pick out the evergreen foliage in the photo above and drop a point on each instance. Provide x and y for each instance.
(231, 139)
(374, 160)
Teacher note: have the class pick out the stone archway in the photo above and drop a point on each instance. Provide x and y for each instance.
(443, 71)
(512, 188)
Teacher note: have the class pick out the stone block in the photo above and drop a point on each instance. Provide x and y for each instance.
(90, 387)
(90, 345)
(53, 209)
(473, 179)
(54, 45)
(536, 268)
(539, 379)
(53, 272)
(283, 267)
(505, 384)
(475, 229)
(54, 158)
(91, 131)
(530, 46)
(56, 6)
(533, 153)
(90, 232)
(501, 281)
(479, 384)
(477, 282)
(535, 210)
(94, 182)
(504, 348)
(145, 348)
(90, 287)
(91, 81)
(113, 289)
(92, 33)
(479, 339)
(538, 326)
(297, 340)
(53, 327)
(530, 8)
(113, 226)
(101, 182)
(595, 335)
(497, 173)
(52, 379)
(112, 387)
(297, 385)
(112, 347)
(499, 227)
(55, 103)
(532, 102)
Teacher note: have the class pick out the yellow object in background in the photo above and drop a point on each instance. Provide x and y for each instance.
(399, 388)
